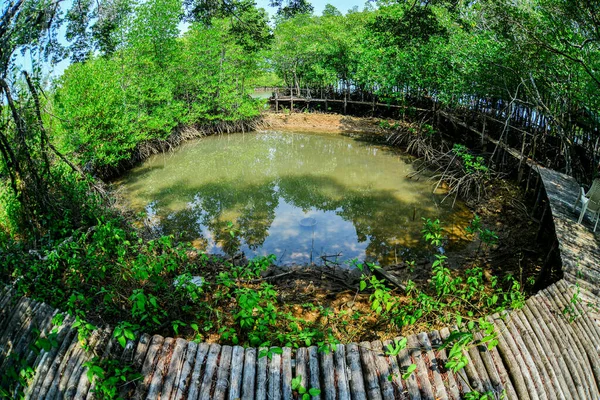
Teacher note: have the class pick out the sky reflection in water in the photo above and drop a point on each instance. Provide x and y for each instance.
(266, 183)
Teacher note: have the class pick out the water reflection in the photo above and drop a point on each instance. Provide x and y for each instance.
(267, 183)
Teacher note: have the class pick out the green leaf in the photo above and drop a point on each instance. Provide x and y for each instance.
(363, 285)
(411, 368)
(314, 392)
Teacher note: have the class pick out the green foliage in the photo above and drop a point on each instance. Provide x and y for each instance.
(432, 232)
(471, 163)
(485, 235)
(152, 84)
(109, 375)
(302, 391)
(396, 348)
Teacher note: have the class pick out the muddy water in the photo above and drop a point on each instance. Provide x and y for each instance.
(298, 196)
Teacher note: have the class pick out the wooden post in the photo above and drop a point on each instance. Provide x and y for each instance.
(483, 129)
(522, 156)
(326, 107)
(345, 100)
(373, 106)
(276, 101)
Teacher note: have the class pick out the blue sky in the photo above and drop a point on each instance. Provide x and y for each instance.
(319, 5)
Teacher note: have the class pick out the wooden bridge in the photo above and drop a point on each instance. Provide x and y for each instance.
(550, 349)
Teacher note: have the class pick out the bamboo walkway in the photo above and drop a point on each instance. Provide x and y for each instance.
(550, 349)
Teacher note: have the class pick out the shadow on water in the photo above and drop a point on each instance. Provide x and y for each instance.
(274, 187)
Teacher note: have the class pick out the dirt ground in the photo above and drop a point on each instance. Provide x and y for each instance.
(323, 123)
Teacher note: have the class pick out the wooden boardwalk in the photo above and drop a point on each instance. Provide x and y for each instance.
(550, 349)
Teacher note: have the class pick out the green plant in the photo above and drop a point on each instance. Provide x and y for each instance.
(125, 331)
(432, 232)
(108, 375)
(302, 391)
(471, 163)
(394, 349)
(409, 371)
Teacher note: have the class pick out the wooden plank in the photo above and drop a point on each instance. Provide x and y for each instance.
(223, 373)
(384, 371)
(274, 380)
(447, 376)
(84, 384)
(395, 371)
(512, 357)
(536, 334)
(164, 358)
(286, 374)
(550, 346)
(135, 360)
(235, 378)
(313, 365)
(341, 372)
(538, 358)
(588, 354)
(567, 351)
(109, 352)
(539, 386)
(174, 369)
(196, 378)
(411, 385)
(148, 367)
(51, 373)
(209, 372)
(261, 375)
(185, 375)
(369, 369)
(328, 375)
(249, 377)
(440, 390)
(414, 349)
(357, 385)
(463, 380)
(495, 383)
(476, 371)
(302, 366)
(23, 338)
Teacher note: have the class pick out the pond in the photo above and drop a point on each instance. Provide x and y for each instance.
(299, 196)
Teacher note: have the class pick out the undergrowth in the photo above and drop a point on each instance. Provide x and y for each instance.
(105, 272)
